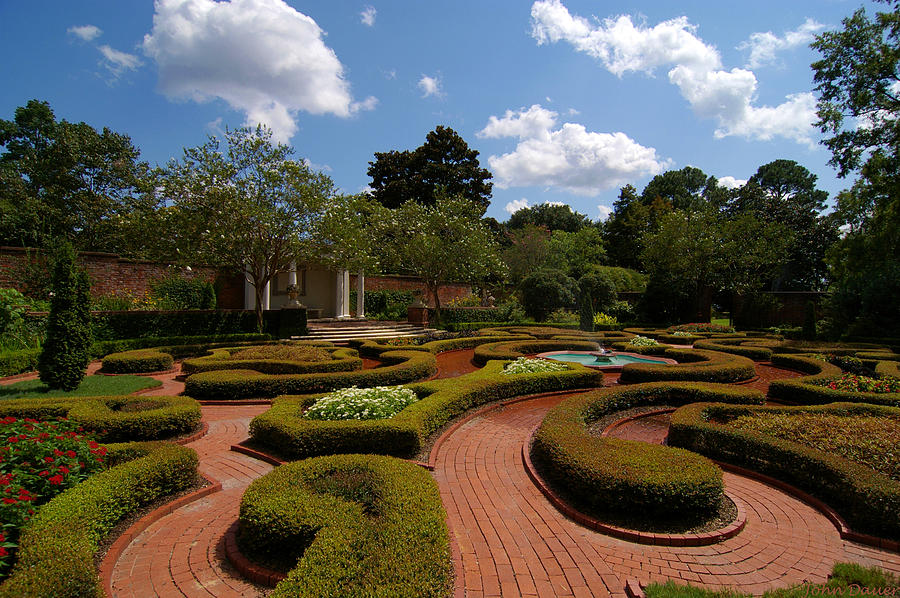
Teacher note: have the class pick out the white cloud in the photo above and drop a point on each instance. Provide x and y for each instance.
(85, 32)
(430, 86)
(695, 68)
(605, 211)
(729, 182)
(568, 156)
(261, 56)
(367, 16)
(764, 45)
(516, 205)
(118, 62)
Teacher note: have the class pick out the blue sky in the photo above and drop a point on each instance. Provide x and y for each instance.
(566, 100)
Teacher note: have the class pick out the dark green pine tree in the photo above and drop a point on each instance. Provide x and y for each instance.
(66, 348)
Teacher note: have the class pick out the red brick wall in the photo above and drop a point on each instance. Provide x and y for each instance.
(399, 282)
(110, 274)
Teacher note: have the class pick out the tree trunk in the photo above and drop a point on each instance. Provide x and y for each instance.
(259, 288)
(437, 301)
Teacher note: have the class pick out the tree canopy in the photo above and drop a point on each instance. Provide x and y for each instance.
(444, 163)
(549, 215)
(64, 180)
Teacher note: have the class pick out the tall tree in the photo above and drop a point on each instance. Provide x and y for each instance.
(444, 163)
(858, 83)
(576, 253)
(245, 204)
(62, 180)
(630, 221)
(528, 251)
(551, 216)
(785, 192)
(687, 189)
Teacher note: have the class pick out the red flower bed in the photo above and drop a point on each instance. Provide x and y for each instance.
(38, 460)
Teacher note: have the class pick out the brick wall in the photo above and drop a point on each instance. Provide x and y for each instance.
(111, 274)
(398, 282)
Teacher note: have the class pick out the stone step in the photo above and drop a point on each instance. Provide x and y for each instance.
(346, 334)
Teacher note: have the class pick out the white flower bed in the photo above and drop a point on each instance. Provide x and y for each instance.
(529, 366)
(681, 333)
(380, 402)
(643, 341)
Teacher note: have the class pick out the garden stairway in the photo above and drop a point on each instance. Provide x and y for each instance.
(338, 333)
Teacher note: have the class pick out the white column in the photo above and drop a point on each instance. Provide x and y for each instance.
(292, 273)
(249, 293)
(360, 294)
(339, 294)
(267, 296)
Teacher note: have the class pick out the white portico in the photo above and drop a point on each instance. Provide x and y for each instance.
(324, 292)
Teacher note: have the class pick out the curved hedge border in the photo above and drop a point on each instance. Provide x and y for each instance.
(795, 347)
(401, 550)
(57, 547)
(511, 350)
(627, 347)
(104, 416)
(757, 349)
(372, 348)
(403, 366)
(137, 362)
(868, 500)
(679, 340)
(613, 475)
(343, 360)
(802, 391)
(101, 348)
(693, 365)
(599, 336)
(284, 430)
(879, 355)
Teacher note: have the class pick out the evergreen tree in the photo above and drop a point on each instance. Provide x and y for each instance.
(66, 349)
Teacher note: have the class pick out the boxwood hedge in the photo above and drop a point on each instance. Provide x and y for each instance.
(58, 546)
(612, 475)
(283, 428)
(803, 390)
(358, 525)
(402, 366)
(868, 500)
(111, 419)
(693, 365)
(758, 349)
(137, 361)
(342, 360)
(510, 350)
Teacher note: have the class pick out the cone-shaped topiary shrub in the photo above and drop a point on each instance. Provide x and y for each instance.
(65, 353)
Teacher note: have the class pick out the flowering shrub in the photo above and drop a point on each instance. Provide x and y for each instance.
(603, 319)
(642, 341)
(38, 460)
(847, 363)
(700, 327)
(402, 341)
(681, 333)
(854, 383)
(523, 365)
(380, 402)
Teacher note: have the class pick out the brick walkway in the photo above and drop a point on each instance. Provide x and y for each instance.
(514, 543)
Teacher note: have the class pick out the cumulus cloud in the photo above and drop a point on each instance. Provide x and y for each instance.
(729, 182)
(763, 46)
(117, 62)
(605, 211)
(367, 16)
(262, 57)
(695, 67)
(85, 32)
(430, 86)
(567, 156)
(516, 205)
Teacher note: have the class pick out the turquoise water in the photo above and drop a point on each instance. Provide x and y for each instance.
(588, 359)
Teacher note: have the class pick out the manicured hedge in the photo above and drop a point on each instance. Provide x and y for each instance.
(109, 419)
(284, 430)
(509, 350)
(18, 362)
(137, 361)
(868, 500)
(374, 348)
(803, 391)
(58, 547)
(679, 340)
(343, 360)
(395, 544)
(102, 348)
(613, 475)
(794, 347)
(599, 336)
(693, 365)
(757, 349)
(879, 355)
(402, 367)
(658, 349)
(542, 331)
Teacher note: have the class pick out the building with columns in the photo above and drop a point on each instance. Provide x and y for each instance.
(324, 292)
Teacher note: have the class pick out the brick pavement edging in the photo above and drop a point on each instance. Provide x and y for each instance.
(204, 428)
(248, 569)
(123, 541)
(256, 454)
(640, 537)
(621, 422)
(157, 373)
(633, 589)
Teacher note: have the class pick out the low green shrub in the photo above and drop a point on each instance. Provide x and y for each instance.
(684, 338)
(101, 348)
(350, 525)
(18, 362)
(868, 500)
(58, 547)
(334, 359)
(693, 365)
(284, 430)
(137, 361)
(612, 475)
(701, 327)
(511, 350)
(401, 367)
(753, 349)
(374, 348)
(115, 419)
(809, 390)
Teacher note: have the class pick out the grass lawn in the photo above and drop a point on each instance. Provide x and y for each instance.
(91, 386)
(720, 321)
